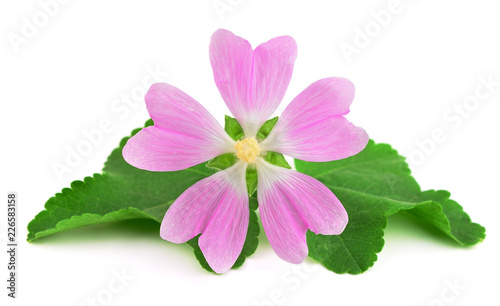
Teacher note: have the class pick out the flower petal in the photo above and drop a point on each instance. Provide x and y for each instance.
(252, 83)
(313, 128)
(154, 149)
(217, 207)
(231, 57)
(184, 134)
(272, 71)
(290, 202)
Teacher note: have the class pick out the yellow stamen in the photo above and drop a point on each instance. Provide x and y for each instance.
(247, 149)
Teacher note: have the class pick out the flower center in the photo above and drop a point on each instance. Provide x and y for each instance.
(247, 149)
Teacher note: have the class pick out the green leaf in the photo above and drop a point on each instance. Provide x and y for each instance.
(373, 185)
(235, 131)
(123, 192)
(266, 128)
(233, 128)
(251, 177)
(222, 162)
(277, 159)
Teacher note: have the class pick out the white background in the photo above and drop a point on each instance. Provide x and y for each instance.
(73, 72)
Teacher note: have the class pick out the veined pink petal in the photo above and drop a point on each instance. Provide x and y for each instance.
(290, 202)
(154, 149)
(252, 83)
(184, 134)
(313, 127)
(231, 57)
(272, 71)
(217, 207)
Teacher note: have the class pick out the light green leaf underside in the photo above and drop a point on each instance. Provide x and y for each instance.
(86, 219)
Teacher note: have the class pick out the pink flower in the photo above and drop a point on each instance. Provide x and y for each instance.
(311, 128)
